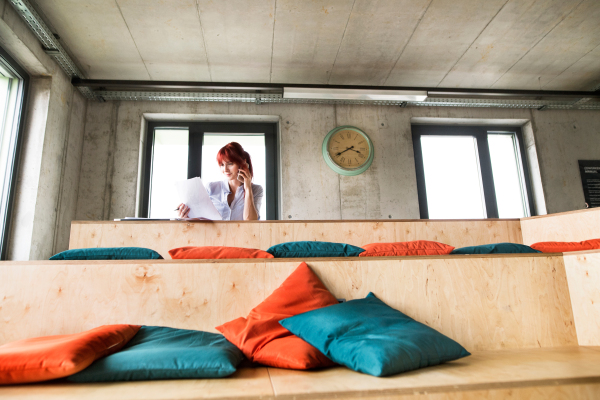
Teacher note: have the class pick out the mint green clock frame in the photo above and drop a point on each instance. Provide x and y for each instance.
(337, 168)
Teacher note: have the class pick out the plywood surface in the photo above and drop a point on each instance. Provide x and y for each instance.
(583, 275)
(532, 374)
(482, 302)
(245, 383)
(500, 368)
(165, 235)
(573, 226)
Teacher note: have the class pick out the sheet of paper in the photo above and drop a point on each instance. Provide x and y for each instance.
(193, 194)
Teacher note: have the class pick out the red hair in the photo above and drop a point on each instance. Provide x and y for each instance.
(234, 152)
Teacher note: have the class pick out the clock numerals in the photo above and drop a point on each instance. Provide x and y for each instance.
(362, 141)
(343, 159)
(361, 156)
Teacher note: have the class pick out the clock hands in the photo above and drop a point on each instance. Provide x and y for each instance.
(349, 148)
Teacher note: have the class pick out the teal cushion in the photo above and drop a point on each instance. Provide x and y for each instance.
(166, 353)
(314, 249)
(368, 336)
(108, 253)
(495, 248)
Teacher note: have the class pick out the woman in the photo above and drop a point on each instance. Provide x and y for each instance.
(236, 198)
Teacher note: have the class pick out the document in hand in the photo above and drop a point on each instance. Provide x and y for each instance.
(193, 194)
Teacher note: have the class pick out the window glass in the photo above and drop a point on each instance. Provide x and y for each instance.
(169, 164)
(452, 177)
(510, 195)
(12, 93)
(254, 144)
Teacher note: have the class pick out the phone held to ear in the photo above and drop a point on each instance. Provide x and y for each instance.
(245, 169)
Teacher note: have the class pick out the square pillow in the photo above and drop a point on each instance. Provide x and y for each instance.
(108, 253)
(308, 249)
(495, 248)
(166, 353)
(52, 357)
(216, 252)
(414, 248)
(263, 340)
(368, 336)
(564, 247)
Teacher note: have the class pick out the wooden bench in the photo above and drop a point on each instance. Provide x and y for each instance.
(552, 373)
(530, 320)
(513, 312)
(165, 235)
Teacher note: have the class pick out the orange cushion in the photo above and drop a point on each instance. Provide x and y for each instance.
(52, 357)
(562, 247)
(260, 336)
(216, 252)
(414, 248)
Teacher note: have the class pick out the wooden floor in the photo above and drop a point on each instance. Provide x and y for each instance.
(562, 372)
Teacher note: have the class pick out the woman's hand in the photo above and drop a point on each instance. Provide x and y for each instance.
(183, 211)
(245, 176)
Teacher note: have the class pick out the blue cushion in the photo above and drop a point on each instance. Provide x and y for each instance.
(495, 248)
(166, 353)
(108, 253)
(368, 336)
(314, 249)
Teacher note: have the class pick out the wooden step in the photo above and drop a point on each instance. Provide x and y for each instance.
(165, 235)
(562, 372)
(483, 302)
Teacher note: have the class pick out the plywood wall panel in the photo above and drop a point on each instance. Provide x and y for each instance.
(162, 236)
(583, 274)
(571, 226)
(489, 302)
(461, 233)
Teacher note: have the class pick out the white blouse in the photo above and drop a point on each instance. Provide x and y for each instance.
(218, 192)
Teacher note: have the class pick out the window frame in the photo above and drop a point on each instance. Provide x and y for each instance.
(15, 156)
(196, 138)
(480, 132)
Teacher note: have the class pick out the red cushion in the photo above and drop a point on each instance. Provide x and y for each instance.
(216, 252)
(563, 247)
(414, 248)
(52, 357)
(260, 336)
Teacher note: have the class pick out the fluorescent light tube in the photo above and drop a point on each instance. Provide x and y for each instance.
(353, 94)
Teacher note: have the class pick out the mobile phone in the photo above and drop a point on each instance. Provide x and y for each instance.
(246, 169)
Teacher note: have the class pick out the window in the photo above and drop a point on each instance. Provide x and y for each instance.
(471, 172)
(13, 90)
(177, 151)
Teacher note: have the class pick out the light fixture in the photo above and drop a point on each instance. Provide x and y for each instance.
(353, 94)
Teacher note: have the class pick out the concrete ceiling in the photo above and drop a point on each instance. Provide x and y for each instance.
(502, 44)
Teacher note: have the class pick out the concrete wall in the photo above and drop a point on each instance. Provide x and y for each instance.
(310, 189)
(48, 174)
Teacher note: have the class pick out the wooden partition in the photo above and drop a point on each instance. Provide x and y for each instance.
(164, 235)
(573, 226)
(583, 273)
(483, 302)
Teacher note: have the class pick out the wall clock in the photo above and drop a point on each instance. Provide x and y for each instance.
(348, 150)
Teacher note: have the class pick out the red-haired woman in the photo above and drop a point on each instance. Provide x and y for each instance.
(236, 198)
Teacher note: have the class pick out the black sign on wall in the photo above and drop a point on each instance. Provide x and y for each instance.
(590, 179)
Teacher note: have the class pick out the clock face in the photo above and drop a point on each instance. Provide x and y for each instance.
(348, 150)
